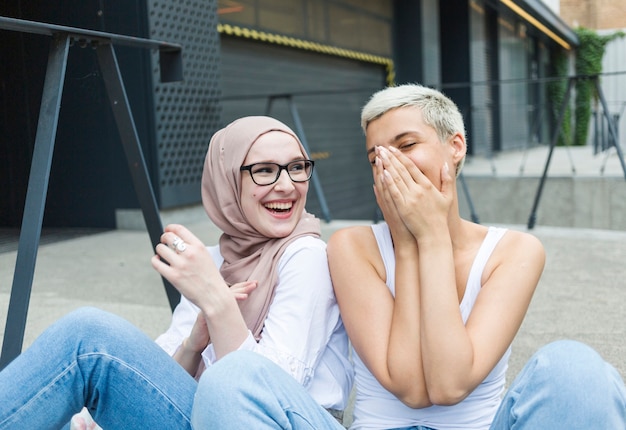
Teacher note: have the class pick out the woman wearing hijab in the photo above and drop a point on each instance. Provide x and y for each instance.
(265, 288)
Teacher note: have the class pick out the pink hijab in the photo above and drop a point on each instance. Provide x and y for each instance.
(248, 255)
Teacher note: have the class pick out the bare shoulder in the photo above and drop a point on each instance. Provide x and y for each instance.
(520, 250)
(523, 242)
(515, 266)
(353, 247)
(349, 238)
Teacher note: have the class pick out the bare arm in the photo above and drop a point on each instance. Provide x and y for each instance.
(457, 356)
(383, 331)
(189, 353)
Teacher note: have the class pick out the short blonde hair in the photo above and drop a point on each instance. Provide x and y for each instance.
(438, 110)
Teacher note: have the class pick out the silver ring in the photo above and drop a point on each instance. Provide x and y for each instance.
(179, 245)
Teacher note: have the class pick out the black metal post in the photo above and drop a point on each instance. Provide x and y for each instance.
(557, 130)
(35, 199)
(611, 124)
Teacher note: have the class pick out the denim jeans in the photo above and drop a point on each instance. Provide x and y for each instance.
(245, 390)
(565, 385)
(94, 359)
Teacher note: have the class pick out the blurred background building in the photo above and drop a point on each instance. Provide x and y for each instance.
(316, 61)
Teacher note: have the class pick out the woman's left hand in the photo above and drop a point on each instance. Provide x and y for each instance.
(200, 337)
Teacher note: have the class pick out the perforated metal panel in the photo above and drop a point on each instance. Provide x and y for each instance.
(186, 113)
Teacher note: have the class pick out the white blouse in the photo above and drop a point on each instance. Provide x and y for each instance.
(303, 331)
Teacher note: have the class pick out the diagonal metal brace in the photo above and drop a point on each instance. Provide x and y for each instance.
(132, 148)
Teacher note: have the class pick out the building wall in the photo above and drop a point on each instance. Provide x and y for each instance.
(186, 113)
(595, 14)
(361, 25)
(326, 57)
(326, 93)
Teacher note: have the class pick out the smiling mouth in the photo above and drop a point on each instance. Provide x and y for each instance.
(279, 207)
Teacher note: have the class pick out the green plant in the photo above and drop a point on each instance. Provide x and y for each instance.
(556, 92)
(589, 56)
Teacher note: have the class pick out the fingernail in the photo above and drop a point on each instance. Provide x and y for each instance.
(393, 149)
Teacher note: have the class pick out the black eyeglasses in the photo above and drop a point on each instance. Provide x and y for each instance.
(268, 173)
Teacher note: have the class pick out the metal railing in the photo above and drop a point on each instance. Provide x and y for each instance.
(170, 57)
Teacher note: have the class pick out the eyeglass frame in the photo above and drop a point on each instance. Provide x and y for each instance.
(281, 167)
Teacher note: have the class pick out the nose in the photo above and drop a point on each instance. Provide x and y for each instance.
(284, 182)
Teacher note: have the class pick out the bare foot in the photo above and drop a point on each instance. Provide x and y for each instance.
(83, 421)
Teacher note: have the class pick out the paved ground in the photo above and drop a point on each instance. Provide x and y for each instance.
(582, 294)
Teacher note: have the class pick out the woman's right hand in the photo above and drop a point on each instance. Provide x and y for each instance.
(399, 231)
(199, 337)
(421, 206)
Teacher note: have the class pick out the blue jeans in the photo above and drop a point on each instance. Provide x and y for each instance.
(94, 359)
(247, 391)
(565, 385)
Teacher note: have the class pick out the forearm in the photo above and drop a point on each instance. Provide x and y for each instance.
(225, 322)
(404, 356)
(446, 348)
(188, 358)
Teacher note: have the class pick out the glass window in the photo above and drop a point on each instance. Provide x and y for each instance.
(358, 31)
(378, 7)
(316, 21)
(362, 25)
(282, 16)
(237, 11)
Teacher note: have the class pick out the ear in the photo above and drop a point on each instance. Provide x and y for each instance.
(457, 147)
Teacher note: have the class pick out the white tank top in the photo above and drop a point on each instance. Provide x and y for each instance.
(376, 408)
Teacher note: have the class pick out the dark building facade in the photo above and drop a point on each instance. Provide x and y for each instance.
(310, 63)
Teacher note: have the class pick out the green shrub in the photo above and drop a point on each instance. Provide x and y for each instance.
(556, 92)
(589, 56)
